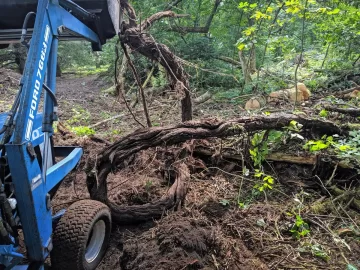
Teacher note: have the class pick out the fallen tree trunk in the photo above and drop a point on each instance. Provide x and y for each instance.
(114, 156)
(203, 98)
(350, 111)
(229, 60)
(278, 156)
(346, 92)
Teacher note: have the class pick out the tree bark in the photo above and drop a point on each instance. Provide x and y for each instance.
(132, 35)
(203, 98)
(350, 111)
(141, 89)
(114, 156)
(141, 213)
(252, 60)
(145, 45)
(244, 67)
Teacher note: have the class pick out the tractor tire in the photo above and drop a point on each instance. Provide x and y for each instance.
(81, 236)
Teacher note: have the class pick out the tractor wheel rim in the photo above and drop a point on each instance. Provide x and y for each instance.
(96, 241)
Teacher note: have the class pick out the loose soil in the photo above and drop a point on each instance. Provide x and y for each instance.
(210, 231)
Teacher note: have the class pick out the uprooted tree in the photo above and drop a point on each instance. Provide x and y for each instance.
(135, 36)
(119, 155)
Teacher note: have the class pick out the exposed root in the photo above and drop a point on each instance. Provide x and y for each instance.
(115, 156)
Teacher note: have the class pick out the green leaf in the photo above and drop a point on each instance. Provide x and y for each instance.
(261, 222)
(224, 202)
(269, 9)
(351, 267)
(249, 31)
(322, 10)
(333, 12)
(324, 113)
(241, 46)
(344, 147)
(253, 153)
(243, 4)
(293, 10)
(271, 180)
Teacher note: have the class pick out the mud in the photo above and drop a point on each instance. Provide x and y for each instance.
(182, 242)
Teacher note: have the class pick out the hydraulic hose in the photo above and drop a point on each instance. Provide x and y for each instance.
(24, 28)
(51, 94)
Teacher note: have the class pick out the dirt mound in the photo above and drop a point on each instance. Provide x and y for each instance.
(183, 242)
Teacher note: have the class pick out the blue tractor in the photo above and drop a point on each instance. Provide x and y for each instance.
(31, 167)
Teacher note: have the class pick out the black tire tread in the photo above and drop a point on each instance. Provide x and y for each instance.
(71, 233)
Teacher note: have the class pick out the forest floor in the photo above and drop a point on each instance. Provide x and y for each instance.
(213, 230)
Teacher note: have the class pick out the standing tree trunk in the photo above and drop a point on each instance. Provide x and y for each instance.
(121, 76)
(20, 53)
(252, 60)
(97, 59)
(248, 64)
(244, 67)
(58, 69)
(20, 56)
(134, 36)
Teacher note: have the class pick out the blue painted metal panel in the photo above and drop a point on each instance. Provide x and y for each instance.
(37, 136)
(34, 74)
(57, 172)
(60, 17)
(11, 257)
(2, 119)
(30, 191)
(51, 83)
(21, 267)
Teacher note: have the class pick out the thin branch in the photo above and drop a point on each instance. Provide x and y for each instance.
(229, 60)
(172, 4)
(201, 29)
(357, 59)
(6, 64)
(267, 43)
(302, 51)
(141, 89)
(158, 16)
(190, 64)
(130, 11)
(212, 14)
(117, 85)
(326, 55)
